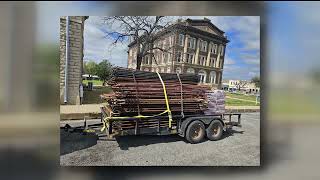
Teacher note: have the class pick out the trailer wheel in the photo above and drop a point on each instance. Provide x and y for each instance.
(195, 132)
(214, 131)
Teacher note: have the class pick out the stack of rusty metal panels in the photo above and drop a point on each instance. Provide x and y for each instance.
(142, 93)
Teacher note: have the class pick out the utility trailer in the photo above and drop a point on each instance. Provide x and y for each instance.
(194, 128)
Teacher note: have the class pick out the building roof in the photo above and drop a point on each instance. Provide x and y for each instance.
(189, 25)
(204, 21)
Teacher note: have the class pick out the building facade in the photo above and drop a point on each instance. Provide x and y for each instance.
(247, 87)
(191, 46)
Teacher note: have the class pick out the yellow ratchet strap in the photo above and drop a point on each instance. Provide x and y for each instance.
(167, 100)
(106, 119)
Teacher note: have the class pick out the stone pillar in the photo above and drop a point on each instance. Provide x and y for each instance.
(196, 58)
(185, 48)
(209, 53)
(74, 68)
(216, 81)
(218, 58)
(220, 80)
(224, 55)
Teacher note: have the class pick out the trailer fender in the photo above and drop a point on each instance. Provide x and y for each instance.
(206, 120)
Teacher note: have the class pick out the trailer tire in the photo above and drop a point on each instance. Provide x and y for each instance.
(195, 132)
(215, 130)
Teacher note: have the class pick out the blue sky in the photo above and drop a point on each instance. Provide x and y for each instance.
(242, 59)
(292, 31)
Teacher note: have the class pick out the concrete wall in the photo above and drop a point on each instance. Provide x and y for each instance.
(74, 70)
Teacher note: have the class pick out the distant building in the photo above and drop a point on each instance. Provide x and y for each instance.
(90, 77)
(233, 85)
(195, 46)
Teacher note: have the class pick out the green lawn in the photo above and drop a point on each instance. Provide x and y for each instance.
(95, 82)
(236, 102)
(241, 96)
(93, 97)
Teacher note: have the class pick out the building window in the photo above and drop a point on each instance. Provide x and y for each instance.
(189, 58)
(179, 56)
(146, 69)
(211, 48)
(203, 76)
(147, 60)
(192, 43)
(215, 48)
(221, 50)
(169, 57)
(159, 59)
(181, 39)
(204, 46)
(212, 60)
(162, 69)
(164, 58)
(178, 70)
(168, 69)
(202, 60)
(212, 77)
(171, 40)
(190, 70)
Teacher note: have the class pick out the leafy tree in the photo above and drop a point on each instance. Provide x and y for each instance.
(240, 84)
(90, 68)
(104, 70)
(256, 81)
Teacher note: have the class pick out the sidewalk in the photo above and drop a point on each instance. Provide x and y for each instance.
(92, 111)
(76, 112)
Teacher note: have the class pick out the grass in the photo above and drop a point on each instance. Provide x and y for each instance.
(93, 97)
(241, 96)
(236, 102)
(239, 102)
(95, 82)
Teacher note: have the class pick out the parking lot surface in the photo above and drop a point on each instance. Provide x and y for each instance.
(240, 147)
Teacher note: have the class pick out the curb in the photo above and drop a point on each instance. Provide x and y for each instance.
(79, 116)
(242, 110)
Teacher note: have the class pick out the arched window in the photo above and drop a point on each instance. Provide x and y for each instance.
(162, 69)
(168, 70)
(178, 70)
(212, 79)
(203, 76)
(190, 70)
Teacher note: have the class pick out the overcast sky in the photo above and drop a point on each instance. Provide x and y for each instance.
(242, 59)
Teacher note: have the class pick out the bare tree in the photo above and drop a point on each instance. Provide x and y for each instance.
(142, 30)
(240, 84)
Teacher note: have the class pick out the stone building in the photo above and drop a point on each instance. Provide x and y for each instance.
(246, 86)
(70, 75)
(192, 46)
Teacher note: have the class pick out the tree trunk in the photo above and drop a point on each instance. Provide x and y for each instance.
(139, 61)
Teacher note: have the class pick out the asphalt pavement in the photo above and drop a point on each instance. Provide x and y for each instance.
(240, 147)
